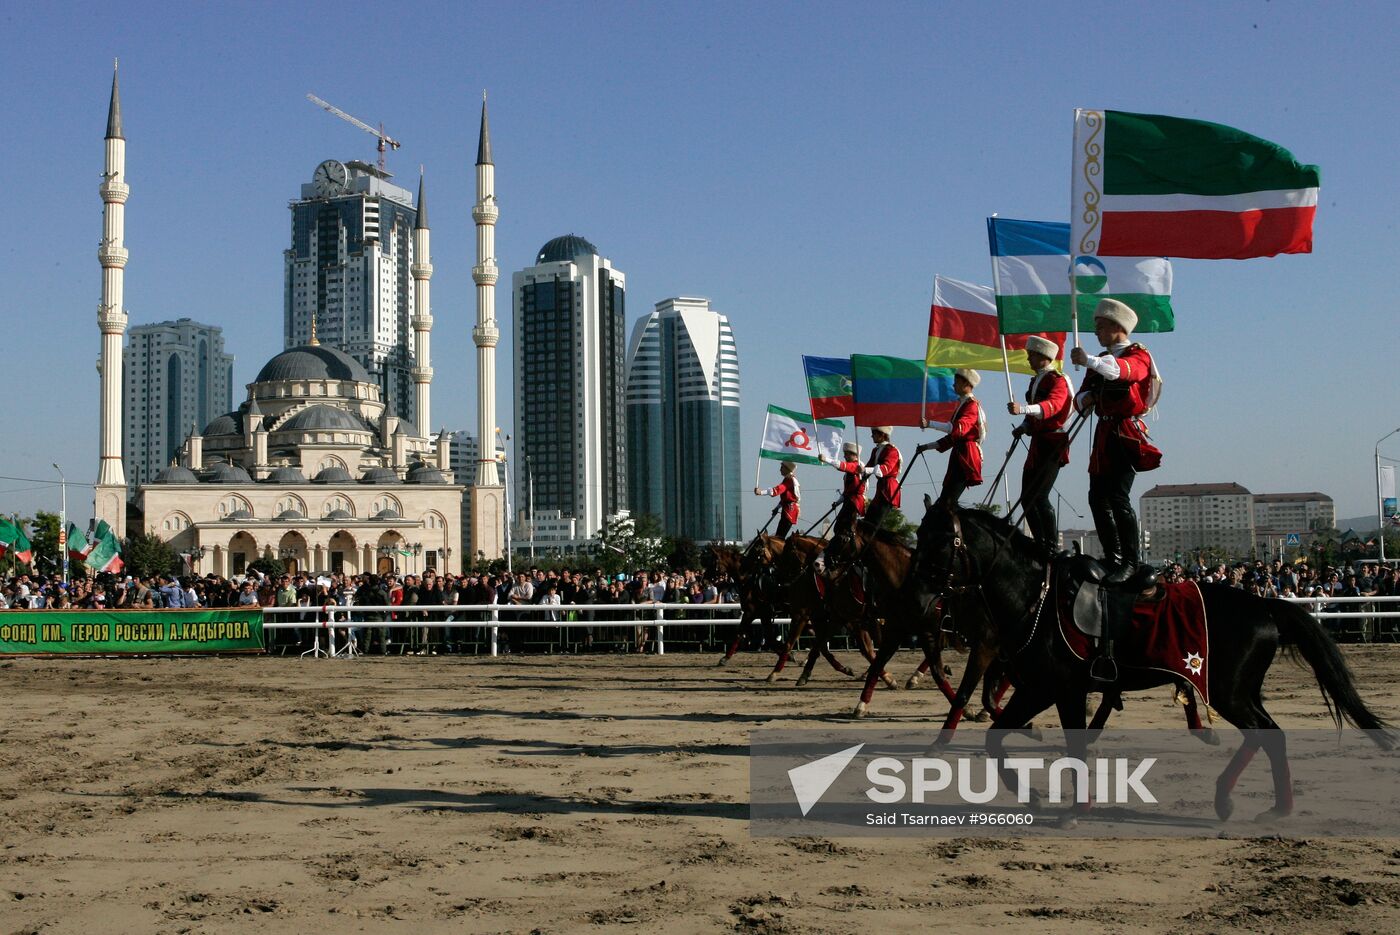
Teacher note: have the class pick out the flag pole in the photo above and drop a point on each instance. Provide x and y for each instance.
(996, 294)
(1073, 289)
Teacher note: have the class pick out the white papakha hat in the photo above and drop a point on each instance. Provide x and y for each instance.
(886, 430)
(851, 448)
(1035, 344)
(1116, 312)
(970, 375)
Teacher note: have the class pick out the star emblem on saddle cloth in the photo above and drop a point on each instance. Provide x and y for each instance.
(1194, 662)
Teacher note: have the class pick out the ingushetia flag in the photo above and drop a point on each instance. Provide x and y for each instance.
(1031, 264)
(962, 330)
(789, 435)
(1147, 185)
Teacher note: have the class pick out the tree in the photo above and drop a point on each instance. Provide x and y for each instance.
(43, 536)
(267, 565)
(632, 543)
(146, 554)
(896, 522)
(684, 554)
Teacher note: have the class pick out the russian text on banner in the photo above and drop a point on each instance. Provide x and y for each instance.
(130, 632)
(1145, 184)
(963, 330)
(789, 435)
(1031, 264)
(829, 386)
(890, 391)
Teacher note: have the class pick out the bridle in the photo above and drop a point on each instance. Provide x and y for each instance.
(961, 557)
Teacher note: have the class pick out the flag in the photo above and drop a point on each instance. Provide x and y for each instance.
(890, 391)
(1145, 184)
(78, 544)
(13, 539)
(829, 386)
(789, 435)
(1030, 260)
(963, 331)
(105, 554)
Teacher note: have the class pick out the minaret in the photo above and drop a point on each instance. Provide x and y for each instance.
(488, 496)
(422, 270)
(110, 502)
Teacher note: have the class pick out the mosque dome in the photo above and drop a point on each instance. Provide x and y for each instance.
(230, 423)
(380, 475)
(221, 472)
(313, 362)
(176, 474)
(339, 514)
(563, 249)
(424, 473)
(285, 475)
(333, 475)
(323, 417)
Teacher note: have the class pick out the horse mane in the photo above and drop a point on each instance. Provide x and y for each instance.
(883, 536)
(999, 528)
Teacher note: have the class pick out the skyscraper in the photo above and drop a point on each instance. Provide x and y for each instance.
(683, 420)
(570, 309)
(351, 267)
(176, 376)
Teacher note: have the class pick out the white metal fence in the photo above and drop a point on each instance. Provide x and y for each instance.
(1361, 619)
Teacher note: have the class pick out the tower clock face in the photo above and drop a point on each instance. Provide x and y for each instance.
(331, 178)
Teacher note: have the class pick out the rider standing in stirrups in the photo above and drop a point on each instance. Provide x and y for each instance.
(852, 487)
(1046, 409)
(789, 496)
(1120, 386)
(966, 428)
(884, 467)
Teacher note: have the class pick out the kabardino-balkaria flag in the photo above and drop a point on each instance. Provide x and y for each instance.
(1031, 269)
(1148, 185)
(963, 332)
(789, 435)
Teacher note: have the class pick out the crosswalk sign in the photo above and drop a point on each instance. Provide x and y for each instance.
(1293, 539)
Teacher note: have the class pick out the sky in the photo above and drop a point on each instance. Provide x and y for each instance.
(807, 167)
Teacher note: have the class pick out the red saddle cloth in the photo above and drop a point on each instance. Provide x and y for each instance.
(1170, 635)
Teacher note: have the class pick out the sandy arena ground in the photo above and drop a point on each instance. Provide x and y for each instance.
(560, 794)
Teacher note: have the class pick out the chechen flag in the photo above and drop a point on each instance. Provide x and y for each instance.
(962, 330)
(1146, 185)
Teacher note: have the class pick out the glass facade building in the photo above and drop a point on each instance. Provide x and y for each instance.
(176, 377)
(349, 267)
(569, 318)
(683, 421)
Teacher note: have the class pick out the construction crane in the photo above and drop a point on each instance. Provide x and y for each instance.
(384, 138)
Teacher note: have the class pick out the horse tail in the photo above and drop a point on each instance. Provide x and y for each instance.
(1302, 634)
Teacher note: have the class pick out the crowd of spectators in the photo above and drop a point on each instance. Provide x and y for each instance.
(559, 595)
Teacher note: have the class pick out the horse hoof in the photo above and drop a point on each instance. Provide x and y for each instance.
(1224, 808)
(945, 737)
(801, 680)
(1068, 822)
(981, 717)
(723, 661)
(848, 672)
(1272, 815)
(1034, 733)
(859, 712)
(912, 682)
(1208, 736)
(772, 677)
(890, 683)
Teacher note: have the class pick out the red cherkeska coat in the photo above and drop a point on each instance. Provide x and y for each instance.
(885, 460)
(964, 439)
(853, 487)
(789, 496)
(1048, 441)
(1119, 403)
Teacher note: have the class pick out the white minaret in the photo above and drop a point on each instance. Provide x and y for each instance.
(422, 270)
(488, 495)
(110, 502)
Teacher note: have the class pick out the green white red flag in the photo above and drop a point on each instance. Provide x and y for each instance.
(13, 539)
(78, 544)
(1147, 185)
(106, 551)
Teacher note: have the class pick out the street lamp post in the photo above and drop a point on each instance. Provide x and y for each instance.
(62, 520)
(1380, 502)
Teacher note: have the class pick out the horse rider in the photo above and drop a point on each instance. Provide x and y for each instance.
(852, 487)
(1046, 410)
(965, 430)
(789, 496)
(883, 465)
(1120, 386)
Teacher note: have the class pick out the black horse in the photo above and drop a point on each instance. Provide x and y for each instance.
(982, 557)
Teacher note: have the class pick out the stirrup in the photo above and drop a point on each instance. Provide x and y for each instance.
(1104, 668)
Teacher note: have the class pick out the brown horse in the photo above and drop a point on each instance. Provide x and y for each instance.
(760, 596)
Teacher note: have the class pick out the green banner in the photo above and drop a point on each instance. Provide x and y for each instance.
(129, 632)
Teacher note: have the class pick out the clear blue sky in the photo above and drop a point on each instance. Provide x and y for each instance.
(809, 167)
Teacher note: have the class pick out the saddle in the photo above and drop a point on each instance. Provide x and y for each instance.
(1092, 602)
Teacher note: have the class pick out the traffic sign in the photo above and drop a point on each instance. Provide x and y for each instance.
(1293, 539)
